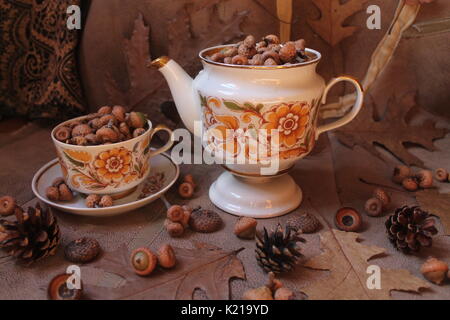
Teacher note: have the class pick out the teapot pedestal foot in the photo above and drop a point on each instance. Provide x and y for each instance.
(256, 197)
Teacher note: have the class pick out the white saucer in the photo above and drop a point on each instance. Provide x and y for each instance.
(163, 174)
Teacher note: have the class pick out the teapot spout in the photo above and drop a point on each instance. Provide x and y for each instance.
(180, 83)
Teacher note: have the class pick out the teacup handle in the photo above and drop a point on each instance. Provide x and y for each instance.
(353, 112)
(169, 143)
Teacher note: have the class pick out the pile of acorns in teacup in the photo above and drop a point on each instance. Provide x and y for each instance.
(107, 125)
(267, 52)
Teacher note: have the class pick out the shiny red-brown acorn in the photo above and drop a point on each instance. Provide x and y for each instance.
(348, 219)
(58, 289)
(143, 261)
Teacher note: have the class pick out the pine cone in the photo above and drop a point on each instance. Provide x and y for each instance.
(410, 228)
(33, 236)
(278, 251)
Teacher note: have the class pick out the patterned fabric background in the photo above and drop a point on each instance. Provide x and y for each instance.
(38, 70)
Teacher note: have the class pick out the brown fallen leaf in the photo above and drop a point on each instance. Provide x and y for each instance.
(347, 261)
(437, 204)
(333, 13)
(205, 267)
(142, 82)
(392, 131)
(188, 37)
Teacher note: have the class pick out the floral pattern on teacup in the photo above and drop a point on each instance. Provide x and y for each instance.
(114, 167)
(232, 126)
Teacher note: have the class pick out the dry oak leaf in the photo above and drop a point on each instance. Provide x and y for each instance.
(437, 204)
(332, 16)
(188, 34)
(204, 267)
(392, 132)
(347, 261)
(143, 82)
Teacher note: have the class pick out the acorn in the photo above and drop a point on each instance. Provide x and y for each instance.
(262, 293)
(106, 134)
(186, 190)
(138, 132)
(92, 200)
(382, 196)
(272, 39)
(401, 172)
(250, 41)
(52, 193)
(441, 175)
(58, 289)
(143, 261)
(175, 213)
(119, 113)
(65, 194)
(137, 120)
(410, 184)
(434, 270)
(217, 57)
(166, 257)
(190, 179)
(81, 130)
(425, 179)
(104, 110)
(106, 202)
(58, 181)
(7, 206)
(174, 229)
(348, 219)
(186, 216)
(245, 228)
(374, 207)
(284, 293)
(63, 134)
(288, 52)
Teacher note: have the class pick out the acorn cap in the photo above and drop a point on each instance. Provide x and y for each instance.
(307, 223)
(82, 250)
(205, 221)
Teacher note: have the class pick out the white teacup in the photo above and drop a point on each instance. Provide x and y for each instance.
(108, 169)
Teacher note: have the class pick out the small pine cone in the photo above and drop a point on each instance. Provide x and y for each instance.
(410, 228)
(277, 251)
(32, 236)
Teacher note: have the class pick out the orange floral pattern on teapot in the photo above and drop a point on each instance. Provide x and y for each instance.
(229, 125)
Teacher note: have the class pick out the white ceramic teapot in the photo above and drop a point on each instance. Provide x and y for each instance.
(235, 100)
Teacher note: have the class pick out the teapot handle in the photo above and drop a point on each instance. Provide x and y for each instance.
(353, 112)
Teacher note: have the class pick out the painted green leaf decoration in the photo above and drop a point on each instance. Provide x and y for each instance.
(249, 105)
(135, 147)
(233, 106)
(202, 100)
(259, 107)
(73, 161)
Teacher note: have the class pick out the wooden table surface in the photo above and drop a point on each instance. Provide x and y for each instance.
(330, 178)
